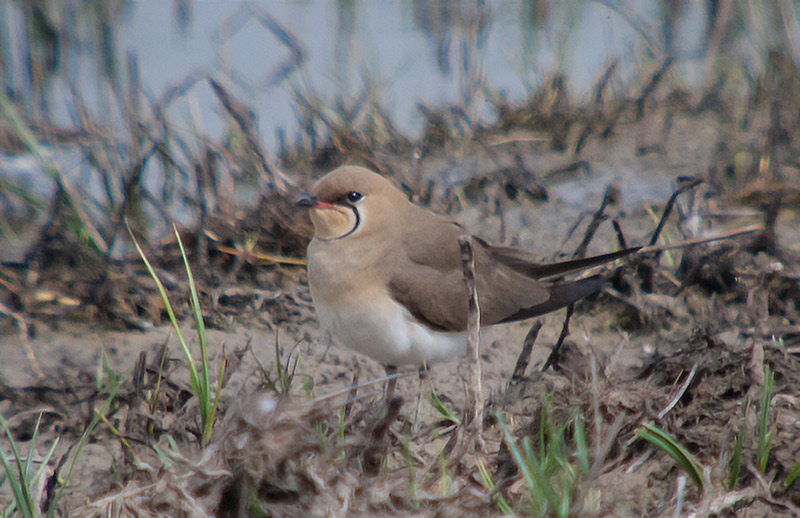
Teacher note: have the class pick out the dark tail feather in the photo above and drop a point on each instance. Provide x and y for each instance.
(561, 295)
(514, 259)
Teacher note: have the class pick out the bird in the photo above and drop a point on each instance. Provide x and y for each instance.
(386, 276)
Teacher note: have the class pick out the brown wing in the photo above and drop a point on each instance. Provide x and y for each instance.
(426, 277)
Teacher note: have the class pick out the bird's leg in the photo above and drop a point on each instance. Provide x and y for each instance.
(423, 374)
(387, 395)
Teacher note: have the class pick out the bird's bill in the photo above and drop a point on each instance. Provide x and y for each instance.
(305, 200)
(311, 202)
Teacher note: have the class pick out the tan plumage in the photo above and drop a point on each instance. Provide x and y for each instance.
(386, 275)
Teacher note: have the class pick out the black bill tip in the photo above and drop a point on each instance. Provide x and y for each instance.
(305, 200)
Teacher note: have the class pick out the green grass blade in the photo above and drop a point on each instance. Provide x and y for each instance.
(340, 432)
(662, 440)
(199, 325)
(409, 460)
(580, 444)
(27, 196)
(736, 457)
(200, 382)
(207, 406)
(162, 365)
(29, 458)
(193, 376)
(284, 379)
(764, 435)
(162, 455)
(530, 469)
(793, 474)
(20, 482)
(736, 461)
(208, 428)
(515, 453)
(444, 476)
(307, 381)
(441, 407)
(46, 459)
(31, 480)
(23, 132)
(16, 488)
(490, 486)
(542, 480)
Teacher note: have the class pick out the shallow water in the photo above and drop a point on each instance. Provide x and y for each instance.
(409, 52)
(431, 52)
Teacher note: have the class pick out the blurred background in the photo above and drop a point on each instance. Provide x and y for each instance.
(397, 53)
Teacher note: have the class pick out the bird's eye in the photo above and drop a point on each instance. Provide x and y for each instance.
(353, 196)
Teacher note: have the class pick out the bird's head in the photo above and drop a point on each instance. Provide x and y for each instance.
(351, 201)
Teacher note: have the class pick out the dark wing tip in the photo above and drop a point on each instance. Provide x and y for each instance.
(561, 295)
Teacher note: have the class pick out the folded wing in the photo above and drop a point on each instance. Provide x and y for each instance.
(426, 277)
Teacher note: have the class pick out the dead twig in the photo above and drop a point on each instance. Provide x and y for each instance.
(25, 335)
(525, 355)
(687, 184)
(580, 252)
(245, 120)
(597, 107)
(554, 354)
(648, 90)
(474, 388)
(623, 243)
(611, 194)
(767, 240)
(680, 392)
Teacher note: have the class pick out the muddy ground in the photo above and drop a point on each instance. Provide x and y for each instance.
(680, 338)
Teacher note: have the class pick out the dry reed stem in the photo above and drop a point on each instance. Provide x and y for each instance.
(474, 387)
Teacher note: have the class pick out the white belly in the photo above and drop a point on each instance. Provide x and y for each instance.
(385, 331)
